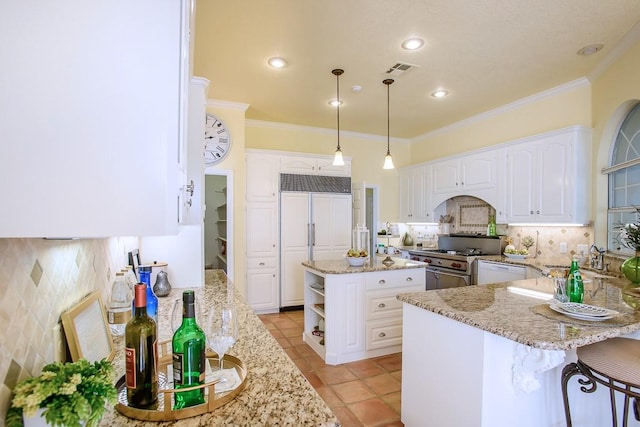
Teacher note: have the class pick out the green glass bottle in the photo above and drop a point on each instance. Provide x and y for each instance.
(575, 285)
(189, 360)
(141, 355)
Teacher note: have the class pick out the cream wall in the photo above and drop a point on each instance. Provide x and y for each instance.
(560, 107)
(615, 91)
(367, 153)
(233, 166)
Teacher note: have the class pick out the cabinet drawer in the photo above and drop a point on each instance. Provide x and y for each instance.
(383, 333)
(385, 304)
(253, 263)
(395, 279)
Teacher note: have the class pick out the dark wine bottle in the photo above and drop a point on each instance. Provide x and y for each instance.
(141, 355)
(189, 360)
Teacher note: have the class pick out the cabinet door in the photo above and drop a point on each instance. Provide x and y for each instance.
(294, 237)
(299, 165)
(330, 225)
(418, 193)
(91, 141)
(445, 177)
(406, 195)
(326, 167)
(262, 177)
(521, 183)
(554, 180)
(262, 229)
(262, 289)
(479, 171)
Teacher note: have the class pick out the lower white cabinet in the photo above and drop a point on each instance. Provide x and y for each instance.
(262, 284)
(496, 272)
(361, 316)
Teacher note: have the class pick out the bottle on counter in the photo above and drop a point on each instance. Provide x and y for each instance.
(188, 345)
(141, 355)
(152, 299)
(118, 307)
(575, 285)
(491, 227)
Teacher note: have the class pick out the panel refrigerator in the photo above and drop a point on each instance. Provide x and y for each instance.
(313, 226)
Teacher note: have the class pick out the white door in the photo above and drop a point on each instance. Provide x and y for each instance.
(294, 235)
(330, 225)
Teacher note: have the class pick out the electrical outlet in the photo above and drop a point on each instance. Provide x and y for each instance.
(582, 249)
(563, 247)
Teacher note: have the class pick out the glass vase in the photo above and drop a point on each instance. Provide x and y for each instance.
(631, 269)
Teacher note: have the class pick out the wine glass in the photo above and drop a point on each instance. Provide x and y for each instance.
(222, 330)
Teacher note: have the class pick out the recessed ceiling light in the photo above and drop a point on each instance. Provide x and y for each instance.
(412, 43)
(591, 49)
(440, 93)
(277, 62)
(335, 102)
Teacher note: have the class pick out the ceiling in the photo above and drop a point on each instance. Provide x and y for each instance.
(485, 53)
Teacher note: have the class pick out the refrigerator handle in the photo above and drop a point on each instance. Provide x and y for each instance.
(313, 234)
(308, 234)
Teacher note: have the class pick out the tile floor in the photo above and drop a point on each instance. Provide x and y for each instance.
(363, 393)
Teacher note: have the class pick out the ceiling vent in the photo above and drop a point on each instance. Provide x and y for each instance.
(400, 69)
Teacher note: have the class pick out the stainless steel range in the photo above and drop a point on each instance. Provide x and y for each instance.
(453, 263)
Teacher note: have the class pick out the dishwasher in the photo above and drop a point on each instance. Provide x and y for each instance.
(496, 272)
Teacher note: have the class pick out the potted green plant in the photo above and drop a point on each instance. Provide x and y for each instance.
(630, 238)
(67, 394)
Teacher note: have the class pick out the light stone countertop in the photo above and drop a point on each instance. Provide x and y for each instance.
(276, 392)
(496, 308)
(373, 264)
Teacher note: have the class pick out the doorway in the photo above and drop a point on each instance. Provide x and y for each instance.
(218, 224)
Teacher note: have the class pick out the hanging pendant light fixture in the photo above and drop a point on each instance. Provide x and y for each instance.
(388, 161)
(337, 158)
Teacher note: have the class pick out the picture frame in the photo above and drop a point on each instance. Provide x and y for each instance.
(134, 261)
(87, 330)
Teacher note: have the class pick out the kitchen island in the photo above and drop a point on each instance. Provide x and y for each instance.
(352, 313)
(492, 355)
(276, 393)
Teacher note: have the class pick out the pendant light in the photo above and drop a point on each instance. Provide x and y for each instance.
(388, 161)
(337, 158)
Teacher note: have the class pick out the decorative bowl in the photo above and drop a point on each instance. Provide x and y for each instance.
(516, 256)
(356, 261)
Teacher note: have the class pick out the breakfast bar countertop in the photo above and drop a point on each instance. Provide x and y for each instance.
(375, 263)
(519, 311)
(276, 392)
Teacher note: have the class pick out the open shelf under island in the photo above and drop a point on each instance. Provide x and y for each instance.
(352, 313)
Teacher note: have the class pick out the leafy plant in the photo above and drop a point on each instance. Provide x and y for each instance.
(70, 393)
(629, 234)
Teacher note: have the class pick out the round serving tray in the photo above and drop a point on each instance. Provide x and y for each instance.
(164, 412)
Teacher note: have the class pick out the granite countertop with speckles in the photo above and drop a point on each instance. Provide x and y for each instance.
(500, 309)
(276, 392)
(374, 263)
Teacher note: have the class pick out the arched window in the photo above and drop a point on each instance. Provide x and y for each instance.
(624, 180)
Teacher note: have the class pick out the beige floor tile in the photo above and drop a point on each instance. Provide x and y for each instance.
(335, 375)
(346, 417)
(383, 384)
(373, 412)
(352, 391)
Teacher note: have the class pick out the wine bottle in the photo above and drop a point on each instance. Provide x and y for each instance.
(118, 312)
(152, 299)
(141, 355)
(189, 360)
(575, 285)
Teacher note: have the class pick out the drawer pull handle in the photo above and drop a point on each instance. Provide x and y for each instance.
(262, 263)
(382, 335)
(409, 279)
(382, 305)
(382, 282)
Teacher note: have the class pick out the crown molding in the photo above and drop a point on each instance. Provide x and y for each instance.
(554, 91)
(227, 105)
(323, 131)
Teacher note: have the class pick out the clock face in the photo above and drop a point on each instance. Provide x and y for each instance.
(217, 140)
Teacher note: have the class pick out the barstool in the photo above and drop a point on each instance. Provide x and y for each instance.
(615, 364)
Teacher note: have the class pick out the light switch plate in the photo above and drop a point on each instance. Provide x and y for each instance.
(563, 247)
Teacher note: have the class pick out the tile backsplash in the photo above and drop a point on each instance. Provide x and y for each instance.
(39, 280)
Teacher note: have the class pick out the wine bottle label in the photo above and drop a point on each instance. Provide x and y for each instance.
(118, 317)
(177, 368)
(130, 367)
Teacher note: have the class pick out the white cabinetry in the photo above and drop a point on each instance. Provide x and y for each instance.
(262, 256)
(548, 178)
(495, 272)
(93, 117)
(475, 174)
(415, 200)
(361, 314)
(262, 177)
(310, 165)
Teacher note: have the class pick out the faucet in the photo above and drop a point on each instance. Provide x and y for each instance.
(597, 257)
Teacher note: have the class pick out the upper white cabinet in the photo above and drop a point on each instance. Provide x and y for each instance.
(310, 165)
(262, 177)
(415, 201)
(93, 117)
(548, 178)
(465, 175)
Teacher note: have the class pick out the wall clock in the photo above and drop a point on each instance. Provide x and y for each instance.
(217, 140)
